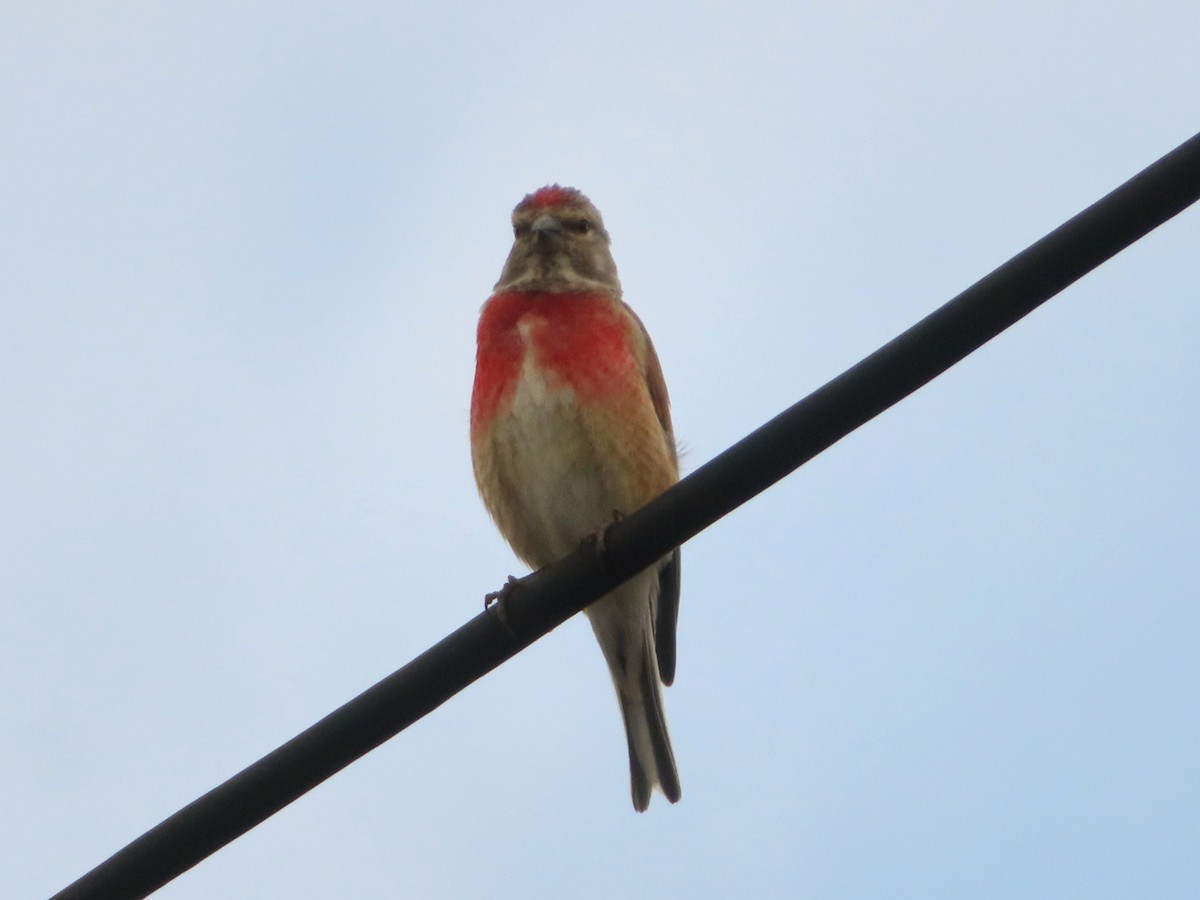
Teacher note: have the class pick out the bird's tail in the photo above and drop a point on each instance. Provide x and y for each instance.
(651, 760)
(623, 626)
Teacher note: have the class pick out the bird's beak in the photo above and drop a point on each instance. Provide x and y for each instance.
(546, 224)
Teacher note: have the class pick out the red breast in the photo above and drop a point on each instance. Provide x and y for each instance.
(582, 339)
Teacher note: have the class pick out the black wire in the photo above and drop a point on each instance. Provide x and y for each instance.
(547, 598)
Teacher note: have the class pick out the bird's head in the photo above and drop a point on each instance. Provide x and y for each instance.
(559, 244)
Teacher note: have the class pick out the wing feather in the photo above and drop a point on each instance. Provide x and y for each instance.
(666, 608)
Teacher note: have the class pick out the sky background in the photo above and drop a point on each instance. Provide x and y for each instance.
(242, 252)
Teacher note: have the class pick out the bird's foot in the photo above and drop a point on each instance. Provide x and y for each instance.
(594, 540)
(494, 602)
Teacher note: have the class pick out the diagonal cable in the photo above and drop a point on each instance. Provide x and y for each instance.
(550, 596)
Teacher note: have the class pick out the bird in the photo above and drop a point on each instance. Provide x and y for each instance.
(570, 428)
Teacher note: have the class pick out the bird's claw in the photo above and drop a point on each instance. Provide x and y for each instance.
(595, 540)
(494, 603)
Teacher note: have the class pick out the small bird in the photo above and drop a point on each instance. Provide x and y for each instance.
(570, 428)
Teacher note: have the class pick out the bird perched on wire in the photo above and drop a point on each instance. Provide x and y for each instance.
(571, 426)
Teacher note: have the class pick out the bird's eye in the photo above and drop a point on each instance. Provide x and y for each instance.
(521, 229)
(580, 226)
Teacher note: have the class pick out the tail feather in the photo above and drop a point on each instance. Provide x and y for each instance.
(651, 760)
(623, 622)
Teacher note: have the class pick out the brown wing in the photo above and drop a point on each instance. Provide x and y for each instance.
(666, 608)
(666, 618)
(652, 371)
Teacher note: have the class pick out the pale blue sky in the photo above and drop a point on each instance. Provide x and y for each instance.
(242, 253)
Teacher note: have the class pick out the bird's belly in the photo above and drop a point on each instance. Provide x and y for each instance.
(554, 468)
